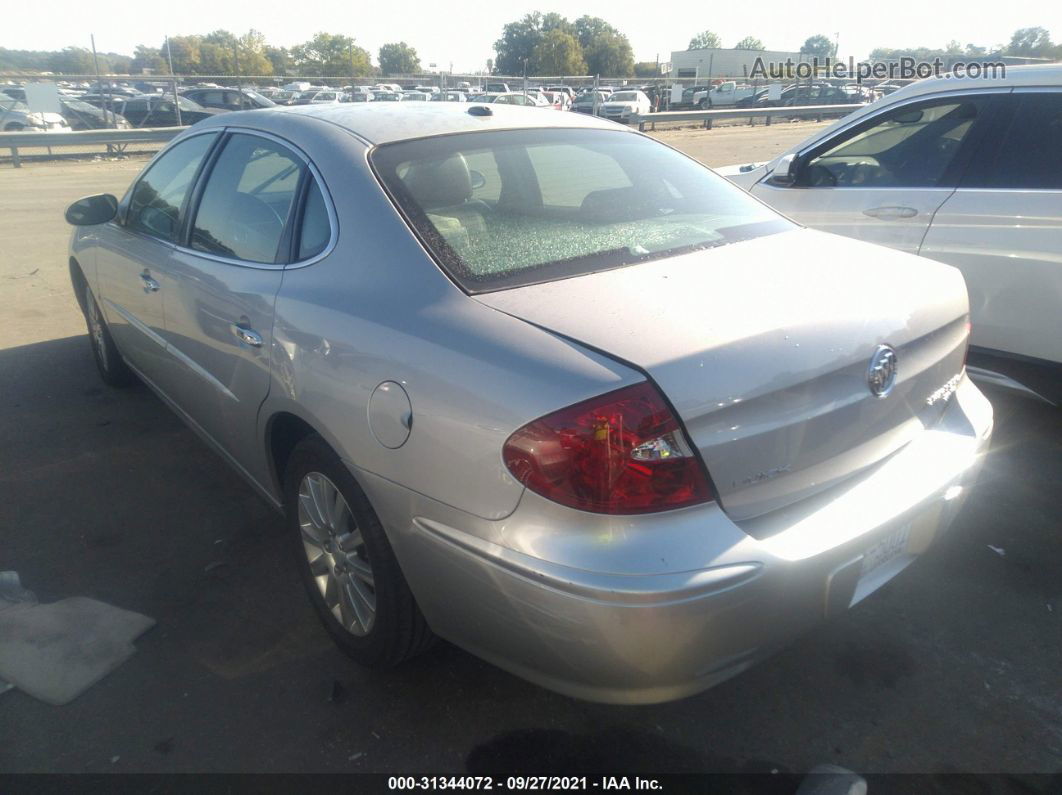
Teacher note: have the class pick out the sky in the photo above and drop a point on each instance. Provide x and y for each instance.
(445, 33)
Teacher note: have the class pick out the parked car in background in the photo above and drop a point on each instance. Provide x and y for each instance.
(416, 96)
(451, 96)
(229, 98)
(621, 105)
(387, 96)
(283, 97)
(726, 94)
(494, 87)
(689, 93)
(83, 116)
(158, 110)
(589, 101)
(16, 116)
(298, 85)
(819, 94)
(359, 94)
(964, 171)
(318, 97)
(512, 98)
(417, 340)
(558, 100)
(568, 90)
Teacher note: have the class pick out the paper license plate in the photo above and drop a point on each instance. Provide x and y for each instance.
(891, 546)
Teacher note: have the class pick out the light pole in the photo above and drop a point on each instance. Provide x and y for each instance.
(173, 84)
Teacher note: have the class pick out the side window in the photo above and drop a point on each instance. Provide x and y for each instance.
(316, 230)
(155, 205)
(247, 200)
(1030, 155)
(554, 166)
(904, 148)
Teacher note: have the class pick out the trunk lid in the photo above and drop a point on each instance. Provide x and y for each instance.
(763, 348)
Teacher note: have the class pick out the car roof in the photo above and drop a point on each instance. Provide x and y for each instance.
(380, 124)
(1016, 76)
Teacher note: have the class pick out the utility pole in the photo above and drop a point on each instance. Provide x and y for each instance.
(351, 51)
(236, 62)
(525, 76)
(176, 102)
(99, 83)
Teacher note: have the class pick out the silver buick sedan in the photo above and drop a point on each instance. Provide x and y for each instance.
(538, 384)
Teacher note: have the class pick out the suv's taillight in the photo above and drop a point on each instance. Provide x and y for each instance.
(622, 452)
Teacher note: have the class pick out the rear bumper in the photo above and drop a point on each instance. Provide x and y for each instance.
(648, 609)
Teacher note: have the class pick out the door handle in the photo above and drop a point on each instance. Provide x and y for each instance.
(247, 335)
(150, 285)
(891, 212)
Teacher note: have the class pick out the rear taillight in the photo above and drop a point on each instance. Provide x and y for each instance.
(622, 452)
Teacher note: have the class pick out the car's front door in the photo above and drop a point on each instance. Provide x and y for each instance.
(1003, 229)
(135, 252)
(220, 323)
(882, 180)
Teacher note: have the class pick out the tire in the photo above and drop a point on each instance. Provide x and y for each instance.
(109, 362)
(703, 104)
(346, 561)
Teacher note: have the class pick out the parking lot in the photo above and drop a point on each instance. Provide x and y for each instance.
(952, 667)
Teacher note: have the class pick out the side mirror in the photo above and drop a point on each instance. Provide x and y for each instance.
(92, 210)
(785, 173)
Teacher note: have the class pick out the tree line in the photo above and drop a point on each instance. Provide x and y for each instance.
(536, 44)
(1025, 42)
(222, 52)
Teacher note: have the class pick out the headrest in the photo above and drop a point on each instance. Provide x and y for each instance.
(439, 183)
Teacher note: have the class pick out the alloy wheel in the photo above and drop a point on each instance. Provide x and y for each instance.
(95, 325)
(336, 553)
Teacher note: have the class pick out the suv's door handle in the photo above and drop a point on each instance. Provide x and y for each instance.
(150, 285)
(247, 335)
(891, 212)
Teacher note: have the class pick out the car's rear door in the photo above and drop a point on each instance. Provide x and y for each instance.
(882, 180)
(135, 253)
(240, 236)
(1003, 229)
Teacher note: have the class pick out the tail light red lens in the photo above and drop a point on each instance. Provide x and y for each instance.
(620, 453)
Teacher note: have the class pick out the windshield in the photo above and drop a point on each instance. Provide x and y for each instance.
(503, 208)
(12, 105)
(624, 96)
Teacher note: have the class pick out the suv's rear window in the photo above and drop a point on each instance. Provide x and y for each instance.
(504, 208)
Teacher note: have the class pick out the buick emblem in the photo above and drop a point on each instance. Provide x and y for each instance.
(881, 374)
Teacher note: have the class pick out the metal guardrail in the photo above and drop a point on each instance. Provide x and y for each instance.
(15, 140)
(818, 111)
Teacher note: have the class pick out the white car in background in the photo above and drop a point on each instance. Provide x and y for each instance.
(621, 105)
(725, 94)
(16, 116)
(964, 171)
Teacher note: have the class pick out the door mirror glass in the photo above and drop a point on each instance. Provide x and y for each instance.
(911, 117)
(785, 173)
(91, 210)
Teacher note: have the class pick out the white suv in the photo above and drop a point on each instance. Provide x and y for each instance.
(961, 170)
